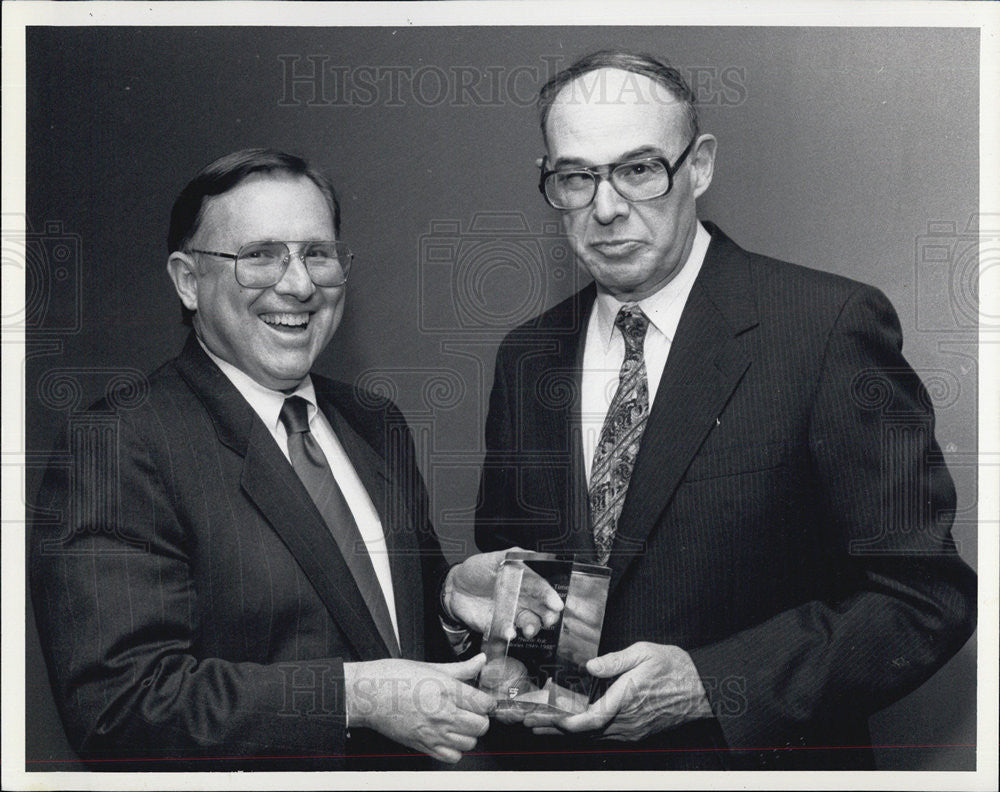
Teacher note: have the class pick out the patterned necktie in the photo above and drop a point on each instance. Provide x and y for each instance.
(618, 445)
(312, 468)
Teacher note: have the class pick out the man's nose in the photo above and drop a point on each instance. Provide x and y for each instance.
(608, 203)
(296, 281)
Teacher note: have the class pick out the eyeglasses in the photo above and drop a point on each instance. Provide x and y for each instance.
(640, 179)
(263, 264)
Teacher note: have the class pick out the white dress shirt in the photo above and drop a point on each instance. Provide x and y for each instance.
(604, 347)
(267, 404)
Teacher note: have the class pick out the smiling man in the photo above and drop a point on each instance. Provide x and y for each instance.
(250, 581)
(782, 564)
(272, 332)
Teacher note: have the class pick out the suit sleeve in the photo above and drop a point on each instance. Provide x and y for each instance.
(904, 600)
(117, 614)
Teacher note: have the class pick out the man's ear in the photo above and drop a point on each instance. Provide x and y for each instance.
(703, 163)
(182, 271)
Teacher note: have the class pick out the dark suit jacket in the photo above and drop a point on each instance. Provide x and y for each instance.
(787, 521)
(193, 606)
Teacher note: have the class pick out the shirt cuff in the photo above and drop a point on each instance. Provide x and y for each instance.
(459, 638)
(458, 635)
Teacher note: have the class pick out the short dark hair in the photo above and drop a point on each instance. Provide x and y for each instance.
(223, 175)
(227, 172)
(656, 69)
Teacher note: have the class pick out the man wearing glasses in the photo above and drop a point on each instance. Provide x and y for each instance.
(263, 587)
(746, 448)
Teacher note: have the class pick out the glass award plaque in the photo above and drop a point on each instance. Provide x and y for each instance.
(546, 671)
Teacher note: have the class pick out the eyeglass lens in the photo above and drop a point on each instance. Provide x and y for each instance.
(635, 181)
(262, 264)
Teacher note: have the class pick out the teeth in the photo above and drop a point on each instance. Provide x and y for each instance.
(286, 319)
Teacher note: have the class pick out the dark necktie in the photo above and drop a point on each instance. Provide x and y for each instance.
(313, 469)
(618, 445)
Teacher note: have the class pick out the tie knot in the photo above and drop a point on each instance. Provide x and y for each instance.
(632, 323)
(295, 415)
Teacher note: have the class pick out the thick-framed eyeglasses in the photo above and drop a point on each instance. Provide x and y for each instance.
(641, 179)
(262, 264)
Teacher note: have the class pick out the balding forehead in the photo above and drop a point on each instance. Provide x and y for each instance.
(609, 111)
(611, 103)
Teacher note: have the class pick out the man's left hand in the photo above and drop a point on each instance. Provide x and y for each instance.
(658, 687)
(468, 596)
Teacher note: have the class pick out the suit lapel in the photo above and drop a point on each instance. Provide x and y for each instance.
(552, 375)
(286, 504)
(705, 364)
(582, 534)
(271, 483)
(401, 548)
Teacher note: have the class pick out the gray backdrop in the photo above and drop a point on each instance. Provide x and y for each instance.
(850, 150)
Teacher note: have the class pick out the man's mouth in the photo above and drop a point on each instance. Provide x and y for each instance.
(616, 248)
(286, 321)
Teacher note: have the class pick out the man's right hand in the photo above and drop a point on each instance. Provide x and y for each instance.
(426, 706)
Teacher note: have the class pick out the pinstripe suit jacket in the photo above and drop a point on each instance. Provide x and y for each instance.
(787, 521)
(193, 607)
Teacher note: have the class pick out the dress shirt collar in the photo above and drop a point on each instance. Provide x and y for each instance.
(663, 308)
(266, 402)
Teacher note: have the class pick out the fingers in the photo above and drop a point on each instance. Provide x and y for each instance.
(598, 714)
(469, 724)
(445, 754)
(539, 605)
(461, 742)
(467, 669)
(451, 684)
(454, 746)
(461, 735)
(527, 623)
(586, 722)
(457, 731)
(427, 708)
(615, 663)
(508, 715)
(472, 700)
(542, 719)
(541, 597)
